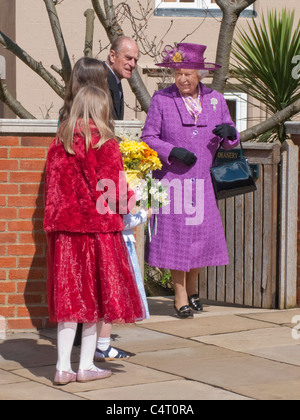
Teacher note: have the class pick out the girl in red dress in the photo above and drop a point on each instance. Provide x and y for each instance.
(90, 277)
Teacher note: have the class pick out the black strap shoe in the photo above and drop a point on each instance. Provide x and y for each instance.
(195, 303)
(184, 312)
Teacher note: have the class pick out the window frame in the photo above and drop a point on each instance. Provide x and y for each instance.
(198, 4)
(241, 100)
(207, 4)
(159, 4)
(2, 67)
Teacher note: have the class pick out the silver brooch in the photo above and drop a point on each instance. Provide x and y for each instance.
(214, 102)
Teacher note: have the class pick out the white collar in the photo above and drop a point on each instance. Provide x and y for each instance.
(117, 79)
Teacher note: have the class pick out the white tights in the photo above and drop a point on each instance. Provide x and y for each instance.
(65, 338)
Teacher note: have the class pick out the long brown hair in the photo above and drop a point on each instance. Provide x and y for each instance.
(87, 71)
(89, 103)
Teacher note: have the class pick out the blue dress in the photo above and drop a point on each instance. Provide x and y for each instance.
(131, 221)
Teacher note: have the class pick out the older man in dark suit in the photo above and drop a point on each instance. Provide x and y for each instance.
(122, 61)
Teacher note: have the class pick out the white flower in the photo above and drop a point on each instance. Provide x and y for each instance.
(152, 191)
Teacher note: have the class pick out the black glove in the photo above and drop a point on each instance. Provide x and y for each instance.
(184, 155)
(225, 131)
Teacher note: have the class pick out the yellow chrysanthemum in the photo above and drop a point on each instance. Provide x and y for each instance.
(177, 58)
(138, 156)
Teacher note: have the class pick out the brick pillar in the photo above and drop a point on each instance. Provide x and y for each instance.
(296, 140)
(23, 298)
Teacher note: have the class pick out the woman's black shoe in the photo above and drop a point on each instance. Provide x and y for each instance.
(184, 312)
(195, 303)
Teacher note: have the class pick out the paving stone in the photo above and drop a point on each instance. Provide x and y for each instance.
(10, 378)
(28, 351)
(222, 368)
(283, 391)
(224, 353)
(179, 390)
(277, 317)
(208, 326)
(34, 391)
(135, 340)
(271, 343)
(124, 374)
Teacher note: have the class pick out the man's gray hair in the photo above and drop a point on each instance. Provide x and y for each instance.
(117, 44)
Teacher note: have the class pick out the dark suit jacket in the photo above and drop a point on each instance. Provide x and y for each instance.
(118, 104)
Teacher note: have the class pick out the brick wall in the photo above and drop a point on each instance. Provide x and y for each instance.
(23, 299)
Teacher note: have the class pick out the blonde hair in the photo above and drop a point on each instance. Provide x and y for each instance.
(93, 103)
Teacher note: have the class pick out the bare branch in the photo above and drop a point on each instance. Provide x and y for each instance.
(110, 10)
(194, 31)
(89, 33)
(37, 67)
(57, 70)
(274, 121)
(48, 109)
(100, 14)
(12, 103)
(59, 40)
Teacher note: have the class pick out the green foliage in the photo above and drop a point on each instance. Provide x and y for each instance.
(266, 59)
(158, 282)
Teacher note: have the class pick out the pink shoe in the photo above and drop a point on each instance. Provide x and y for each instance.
(64, 378)
(90, 375)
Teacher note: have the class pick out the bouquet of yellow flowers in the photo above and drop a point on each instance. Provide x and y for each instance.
(139, 160)
(139, 157)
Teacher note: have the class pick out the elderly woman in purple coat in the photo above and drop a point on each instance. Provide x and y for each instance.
(185, 125)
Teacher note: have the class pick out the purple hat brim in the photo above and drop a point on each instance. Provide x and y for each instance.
(190, 66)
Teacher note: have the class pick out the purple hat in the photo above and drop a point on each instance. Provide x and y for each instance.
(186, 56)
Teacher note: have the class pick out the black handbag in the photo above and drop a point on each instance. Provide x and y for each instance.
(232, 178)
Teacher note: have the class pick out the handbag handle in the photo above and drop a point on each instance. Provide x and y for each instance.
(220, 146)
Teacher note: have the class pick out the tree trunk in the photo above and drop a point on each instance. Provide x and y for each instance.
(231, 12)
(13, 104)
(89, 34)
(224, 49)
(275, 120)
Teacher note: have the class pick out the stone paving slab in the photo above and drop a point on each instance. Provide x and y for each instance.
(29, 350)
(136, 340)
(10, 378)
(185, 362)
(123, 375)
(31, 390)
(224, 353)
(184, 390)
(162, 310)
(283, 391)
(208, 326)
(271, 343)
(232, 371)
(277, 317)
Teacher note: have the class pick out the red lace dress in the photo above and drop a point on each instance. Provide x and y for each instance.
(90, 277)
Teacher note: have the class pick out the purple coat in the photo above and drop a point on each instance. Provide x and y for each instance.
(190, 233)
